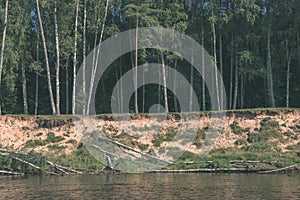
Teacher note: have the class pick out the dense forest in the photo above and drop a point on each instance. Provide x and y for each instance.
(255, 44)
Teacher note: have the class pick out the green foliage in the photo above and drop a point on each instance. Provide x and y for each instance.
(158, 140)
(295, 147)
(34, 143)
(267, 124)
(80, 158)
(170, 134)
(235, 128)
(143, 147)
(240, 142)
(51, 138)
(39, 134)
(56, 147)
(72, 141)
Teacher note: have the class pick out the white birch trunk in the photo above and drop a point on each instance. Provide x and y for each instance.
(215, 61)
(67, 90)
(3, 46)
(191, 83)
(96, 61)
(57, 61)
(221, 68)
(203, 73)
(84, 58)
(75, 60)
(175, 87)
(136, 65)
(231, 76)
(159, 90)
(46, 60)
(165, 83)
(236, 80)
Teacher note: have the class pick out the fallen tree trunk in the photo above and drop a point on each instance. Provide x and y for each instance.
(279, 170)
(11, 173)
(207, 170)
(62, 168)
(135, 150)
(253, 161)
(32, 165)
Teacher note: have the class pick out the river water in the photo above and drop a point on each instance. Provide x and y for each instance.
(153, 186)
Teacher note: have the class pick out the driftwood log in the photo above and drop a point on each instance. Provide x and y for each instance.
(4, 172)
(292, 167)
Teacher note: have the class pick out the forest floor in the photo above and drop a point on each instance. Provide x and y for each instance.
(271, 135)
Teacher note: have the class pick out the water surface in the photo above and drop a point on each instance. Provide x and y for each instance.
(153, 186)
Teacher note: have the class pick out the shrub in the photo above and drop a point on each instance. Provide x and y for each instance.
(39, 134)
(56, 147)
(295, 147)
(158, 140)
(240, 142)
(51, 138)
(143, 147)
(34, 143)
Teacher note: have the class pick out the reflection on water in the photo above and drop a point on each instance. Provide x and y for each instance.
(153, 186)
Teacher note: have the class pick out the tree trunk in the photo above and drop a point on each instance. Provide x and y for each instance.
(96, 61)
(143, 90)
(46, 60)
(215, 61)
(159, 90)
(242, 91)
(24, 90)
(84, 58)
(203, 73)
(221, 67)
(235, 84)
(57, 61)
(121, 89)
(191, 84)
(175, 88)
(231, 76)
(2, 48)
(288, 59)
(67, 90)
(270, 75)
(165, 83)
(75, 60)
(36, 106)
(136, 64)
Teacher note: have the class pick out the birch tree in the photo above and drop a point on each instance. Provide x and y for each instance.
(46, 59)
(3, 46)
(57, 61)
(75, 58)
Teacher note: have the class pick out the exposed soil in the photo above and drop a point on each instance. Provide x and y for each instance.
(16, 133)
